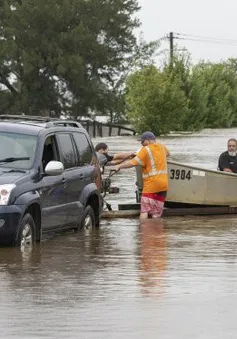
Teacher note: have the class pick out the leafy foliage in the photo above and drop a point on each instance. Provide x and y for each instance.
(155, 101)
(221, 86)
(64, 54)
(181, 97)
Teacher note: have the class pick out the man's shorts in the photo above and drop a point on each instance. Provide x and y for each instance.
(153, 203)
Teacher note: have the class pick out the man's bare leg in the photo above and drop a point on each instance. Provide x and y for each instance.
(143, 216)
(155, 216)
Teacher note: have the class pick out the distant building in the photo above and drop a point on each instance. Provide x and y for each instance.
(99, 118)
(102, 118)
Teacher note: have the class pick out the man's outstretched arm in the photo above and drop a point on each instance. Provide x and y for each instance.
(125, 155)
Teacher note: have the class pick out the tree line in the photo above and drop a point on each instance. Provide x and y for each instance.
(183, 97)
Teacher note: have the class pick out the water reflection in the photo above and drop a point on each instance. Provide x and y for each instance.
(55, 268)
(153, 255)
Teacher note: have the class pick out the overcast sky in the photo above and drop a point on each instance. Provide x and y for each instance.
(199, 18)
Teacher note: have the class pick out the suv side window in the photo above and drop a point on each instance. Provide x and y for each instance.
(50, 151)
(66, 150)
(84, 149)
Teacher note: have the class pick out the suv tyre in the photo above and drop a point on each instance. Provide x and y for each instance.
(26, 233)
(88, 220)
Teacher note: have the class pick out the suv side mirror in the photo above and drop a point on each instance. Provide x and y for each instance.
(54, 168)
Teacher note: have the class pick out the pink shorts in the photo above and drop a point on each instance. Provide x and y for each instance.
(153, 204)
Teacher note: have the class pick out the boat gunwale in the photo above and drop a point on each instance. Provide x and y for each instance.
(200, 168)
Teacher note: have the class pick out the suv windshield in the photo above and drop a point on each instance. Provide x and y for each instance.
(20, 148)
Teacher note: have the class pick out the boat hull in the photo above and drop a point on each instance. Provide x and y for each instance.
(190, 185)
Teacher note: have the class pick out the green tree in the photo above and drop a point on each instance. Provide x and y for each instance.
(143, 55)
(64, 54)
(197, 102)
(219, 81)
(155, 101)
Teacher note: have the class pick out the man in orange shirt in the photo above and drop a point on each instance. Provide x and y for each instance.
(152, 158)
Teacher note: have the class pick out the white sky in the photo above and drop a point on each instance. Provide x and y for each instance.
(203, 18)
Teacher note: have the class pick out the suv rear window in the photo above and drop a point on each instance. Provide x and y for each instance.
(16, 145)
(67, 150)
(84, 149)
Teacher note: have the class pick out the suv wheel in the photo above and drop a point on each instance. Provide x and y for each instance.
(88, 220)
(26, 234)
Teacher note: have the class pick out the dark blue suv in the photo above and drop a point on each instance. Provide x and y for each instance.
(49, 178)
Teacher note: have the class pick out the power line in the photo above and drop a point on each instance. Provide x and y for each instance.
(209, 41)
(190, 37)
(195, 38)
(202, 37)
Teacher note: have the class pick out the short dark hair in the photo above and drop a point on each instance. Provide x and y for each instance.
(101, 145)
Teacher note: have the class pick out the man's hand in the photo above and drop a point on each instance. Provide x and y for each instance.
(117, 168)
(132, 155)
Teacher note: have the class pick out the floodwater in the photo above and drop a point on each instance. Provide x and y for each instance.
(174, 278)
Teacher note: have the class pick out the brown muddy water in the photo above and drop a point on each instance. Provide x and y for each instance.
(170, 279)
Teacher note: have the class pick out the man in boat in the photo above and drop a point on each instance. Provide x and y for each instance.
(228, 159)
(152, 158)
(107, 159)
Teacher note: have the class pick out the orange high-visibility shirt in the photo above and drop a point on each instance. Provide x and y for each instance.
(152, 158)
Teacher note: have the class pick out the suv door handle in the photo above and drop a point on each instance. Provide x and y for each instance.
(64, 180)
(81, 176)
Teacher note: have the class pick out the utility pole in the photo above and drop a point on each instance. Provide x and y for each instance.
(171, 38)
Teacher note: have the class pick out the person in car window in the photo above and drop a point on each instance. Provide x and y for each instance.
(228, 159)
(107, 159)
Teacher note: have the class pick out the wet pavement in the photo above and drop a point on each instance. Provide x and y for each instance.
(174, 278)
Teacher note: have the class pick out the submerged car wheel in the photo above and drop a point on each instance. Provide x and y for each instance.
(26, 234)
(88, 220)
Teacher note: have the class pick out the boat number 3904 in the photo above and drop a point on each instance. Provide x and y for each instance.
(180, 174)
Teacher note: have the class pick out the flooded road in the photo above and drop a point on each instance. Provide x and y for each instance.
(170, 279)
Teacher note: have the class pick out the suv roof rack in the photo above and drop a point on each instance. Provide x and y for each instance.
(64, 123)
(24, 117)
(50, 122)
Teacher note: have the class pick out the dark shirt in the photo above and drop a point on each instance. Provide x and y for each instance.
(104, 158)
(227, 161)
(109, 157)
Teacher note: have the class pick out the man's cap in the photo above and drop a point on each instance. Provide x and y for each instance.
(147, 136)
